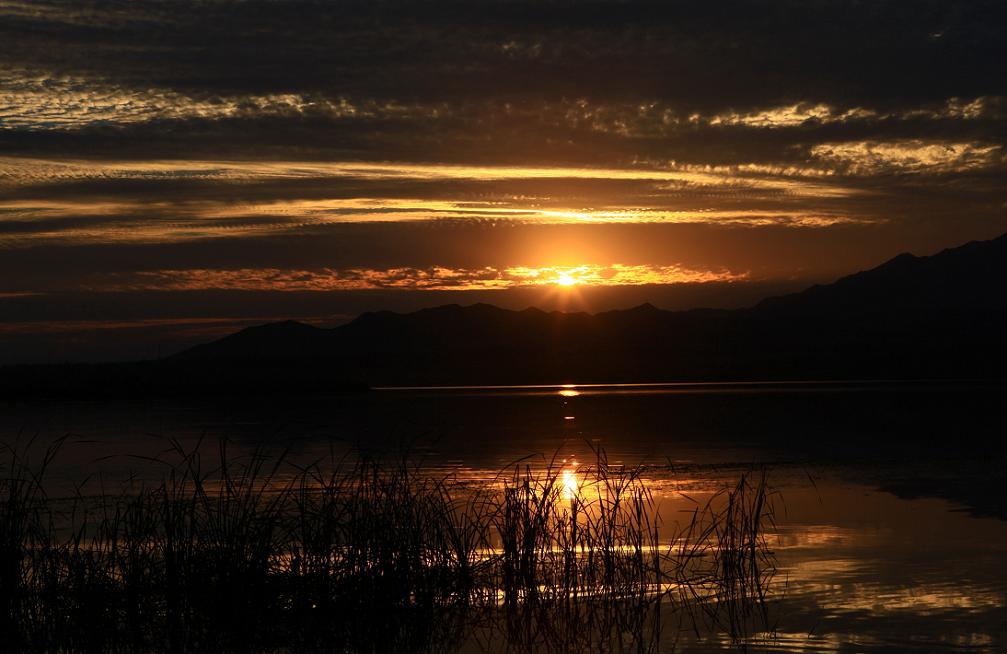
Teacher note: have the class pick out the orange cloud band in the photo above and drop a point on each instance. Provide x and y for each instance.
(406, 278)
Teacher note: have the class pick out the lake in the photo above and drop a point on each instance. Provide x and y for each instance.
(890, 519)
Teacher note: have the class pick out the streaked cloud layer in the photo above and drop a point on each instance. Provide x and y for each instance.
(415, 279)
(339, 149)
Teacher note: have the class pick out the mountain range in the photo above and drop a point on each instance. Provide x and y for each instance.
(938, 317)
(935, 317)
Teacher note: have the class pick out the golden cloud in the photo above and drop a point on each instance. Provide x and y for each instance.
(435, 278)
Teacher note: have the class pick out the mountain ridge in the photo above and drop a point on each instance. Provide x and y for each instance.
(929, 318)
(920, 316)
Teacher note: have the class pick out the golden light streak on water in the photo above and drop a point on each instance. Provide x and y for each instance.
(570, 483)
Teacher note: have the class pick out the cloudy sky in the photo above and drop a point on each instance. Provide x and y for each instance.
(172, 171)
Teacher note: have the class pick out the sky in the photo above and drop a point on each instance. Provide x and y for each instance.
(173, 171)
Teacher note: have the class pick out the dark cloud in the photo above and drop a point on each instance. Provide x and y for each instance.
(706, 55)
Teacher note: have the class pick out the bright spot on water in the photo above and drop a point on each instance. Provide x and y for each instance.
(569, 484)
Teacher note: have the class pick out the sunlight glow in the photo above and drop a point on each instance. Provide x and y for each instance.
(566, 279)
(570, 484)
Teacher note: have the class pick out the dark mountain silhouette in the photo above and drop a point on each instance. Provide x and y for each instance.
(937, 317)
(941, 316)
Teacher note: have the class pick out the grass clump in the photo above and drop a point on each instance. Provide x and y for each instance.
(256, 554)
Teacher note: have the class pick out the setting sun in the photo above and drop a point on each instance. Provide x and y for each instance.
(565, 279)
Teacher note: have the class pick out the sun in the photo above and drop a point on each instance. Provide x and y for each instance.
(566, 279)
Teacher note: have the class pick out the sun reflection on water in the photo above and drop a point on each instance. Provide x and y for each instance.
(570, 483)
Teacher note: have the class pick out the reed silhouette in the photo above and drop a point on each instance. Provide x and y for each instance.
(257, 554)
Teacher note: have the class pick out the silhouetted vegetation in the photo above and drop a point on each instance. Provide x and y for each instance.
(254, 553)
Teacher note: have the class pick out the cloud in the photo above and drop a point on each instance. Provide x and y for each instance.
(912, 156)
(77, 202)
(690, 52)
(434, 278)
(487, 78)
(44, 101)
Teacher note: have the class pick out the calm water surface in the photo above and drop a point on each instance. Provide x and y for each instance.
(891, 532)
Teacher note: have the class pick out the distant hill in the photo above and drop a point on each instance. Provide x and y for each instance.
(941, 316)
